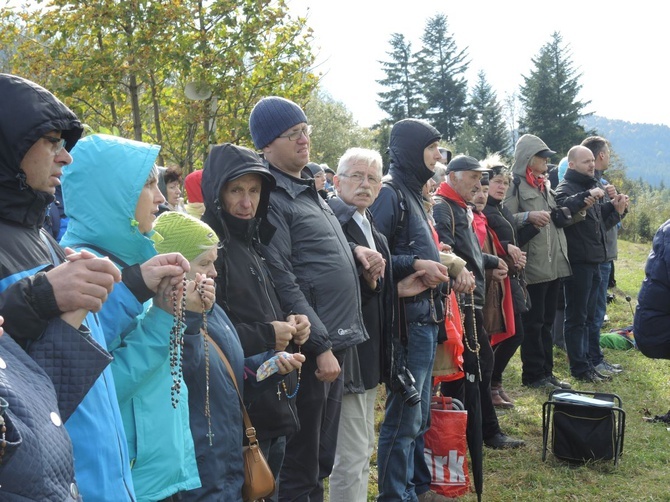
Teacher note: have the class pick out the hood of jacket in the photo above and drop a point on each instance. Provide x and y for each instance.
(28, 112)
(225, 163)
(409, 138)
(526, 147)
(101, 189)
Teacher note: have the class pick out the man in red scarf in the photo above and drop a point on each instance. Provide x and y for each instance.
(454, 224)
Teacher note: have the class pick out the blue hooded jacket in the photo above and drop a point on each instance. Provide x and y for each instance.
(101, 189)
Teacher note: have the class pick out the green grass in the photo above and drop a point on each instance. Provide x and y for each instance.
(644, 468)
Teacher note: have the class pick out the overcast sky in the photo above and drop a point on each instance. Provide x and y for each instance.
(621, 49)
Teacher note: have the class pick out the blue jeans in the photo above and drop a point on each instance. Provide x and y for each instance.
(581, 292)
(401, 432)
(595, 353)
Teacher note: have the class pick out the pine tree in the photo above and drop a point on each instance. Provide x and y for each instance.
(549, 97)
(401, 100)
(485, 117)
(440, 73)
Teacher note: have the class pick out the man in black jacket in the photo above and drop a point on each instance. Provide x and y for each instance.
(236, 192)
(453, 222)
(313, 268)
(400, 217)
(579, 192)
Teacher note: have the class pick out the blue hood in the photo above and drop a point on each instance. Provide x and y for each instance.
(101, 189)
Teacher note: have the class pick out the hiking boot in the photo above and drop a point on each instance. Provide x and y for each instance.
(612, 368)
(431, 496)
(542, 384)
(499, 401)
(503, 394)
(603, 376)
(590, 376)
(502, 441)
(559, 383)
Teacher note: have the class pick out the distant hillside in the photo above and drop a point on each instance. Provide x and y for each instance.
(643, 148)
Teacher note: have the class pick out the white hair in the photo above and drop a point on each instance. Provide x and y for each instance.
(355, 156)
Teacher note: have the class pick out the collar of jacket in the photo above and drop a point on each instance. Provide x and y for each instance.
(342, 210)
(581, 179)
(26, 207)
(292, 185)
(493, 202)
(244, 230)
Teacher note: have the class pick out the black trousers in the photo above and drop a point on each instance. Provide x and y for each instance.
(503, 351)
(310, 452)
(537, 357)
(456, 389)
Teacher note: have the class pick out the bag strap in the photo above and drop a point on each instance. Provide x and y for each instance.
(250, 430)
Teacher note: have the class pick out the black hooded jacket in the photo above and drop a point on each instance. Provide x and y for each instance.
(244, 286)
(28, 113)
(408, 173)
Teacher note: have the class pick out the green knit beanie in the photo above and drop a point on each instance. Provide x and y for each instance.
(184, 234)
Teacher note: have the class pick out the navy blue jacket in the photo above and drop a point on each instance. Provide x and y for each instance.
(652, 314)
(38, 461)
(408, 173)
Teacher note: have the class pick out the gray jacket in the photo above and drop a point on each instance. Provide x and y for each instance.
(313, 266)
(611, 236)
(547, 252)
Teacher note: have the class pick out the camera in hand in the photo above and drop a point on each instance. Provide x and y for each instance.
(561, 216)
(404, 383)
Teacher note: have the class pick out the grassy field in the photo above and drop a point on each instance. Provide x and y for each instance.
(644, 468)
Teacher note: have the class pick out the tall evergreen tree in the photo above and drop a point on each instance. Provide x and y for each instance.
(440, 73)
(485, 116)
(549, 97)
(401, 100)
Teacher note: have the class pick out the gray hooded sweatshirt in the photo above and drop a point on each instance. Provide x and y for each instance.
(547, 252)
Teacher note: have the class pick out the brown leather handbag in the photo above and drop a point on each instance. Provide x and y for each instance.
(259, 481)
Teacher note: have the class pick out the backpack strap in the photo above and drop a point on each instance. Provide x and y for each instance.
(402, 220)
(451, 210)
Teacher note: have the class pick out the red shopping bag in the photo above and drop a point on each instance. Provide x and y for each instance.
(446, 447)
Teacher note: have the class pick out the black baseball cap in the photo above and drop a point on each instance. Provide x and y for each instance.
(465, 163)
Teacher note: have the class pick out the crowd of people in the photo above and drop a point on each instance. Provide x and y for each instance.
(128, 330)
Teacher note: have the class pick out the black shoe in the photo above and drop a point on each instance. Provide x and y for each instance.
(501, 441)
(590, 376)
(542, 384)
(558, 383)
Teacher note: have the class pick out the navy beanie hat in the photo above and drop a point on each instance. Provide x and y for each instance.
(271, 117)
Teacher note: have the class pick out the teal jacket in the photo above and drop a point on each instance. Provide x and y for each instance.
(101, 189)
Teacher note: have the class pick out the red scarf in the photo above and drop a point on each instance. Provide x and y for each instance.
(480, 223)
(534, 181)
(445, 190)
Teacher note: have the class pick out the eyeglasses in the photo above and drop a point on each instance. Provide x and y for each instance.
(58, 143)
(358, 178)
(295, 135)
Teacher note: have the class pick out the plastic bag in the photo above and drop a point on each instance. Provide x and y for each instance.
(446, 448)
